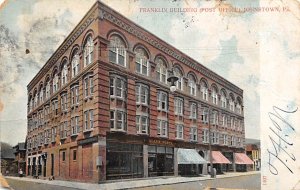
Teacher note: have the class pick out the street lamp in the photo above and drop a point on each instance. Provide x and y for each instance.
(172, 79)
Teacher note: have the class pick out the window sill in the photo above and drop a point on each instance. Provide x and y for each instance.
(87, 98)
(164, 137)
(117, 130)
(74, 135)
(142, 134)
(142, 104)
(74, 106)
(117, 97)
(193, 141)
(179, 139)
(88, 130)
(162, 110)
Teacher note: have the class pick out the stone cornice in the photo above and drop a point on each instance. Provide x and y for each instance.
(114, 17)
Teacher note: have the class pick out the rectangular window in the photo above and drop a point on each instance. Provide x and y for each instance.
(142, 94)
(75, 95)
(75, 125)
(63, 156)
(117, 87)
(205, 136)
(179, 131)
(74, 154)
(193, 111)
(204, 115)
(141, 66)
(178, 106)
(64, 102)
(162, 128)
(193, 134)
(63, 130)
(55, 107)
(215, 118)
(142, 124)
(162, 101)
(117, 120)
(232, 122)
(88, 86)
(53, 135)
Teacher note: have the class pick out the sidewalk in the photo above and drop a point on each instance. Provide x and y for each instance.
(135, 183)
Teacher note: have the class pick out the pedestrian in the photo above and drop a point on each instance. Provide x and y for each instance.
(20, 172)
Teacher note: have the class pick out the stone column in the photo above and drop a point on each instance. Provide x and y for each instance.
(206, 157)
(145, 160)
(102, 154)
(233, 162)
(175, 162)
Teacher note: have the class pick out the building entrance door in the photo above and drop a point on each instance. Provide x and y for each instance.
(52, 164)
(44, 165)
(160, 164)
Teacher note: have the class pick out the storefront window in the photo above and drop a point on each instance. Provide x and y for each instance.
(124, 161)
(160, 161)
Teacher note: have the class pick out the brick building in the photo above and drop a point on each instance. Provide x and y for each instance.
(101, 107)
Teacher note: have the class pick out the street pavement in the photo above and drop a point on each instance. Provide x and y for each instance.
(247, 180)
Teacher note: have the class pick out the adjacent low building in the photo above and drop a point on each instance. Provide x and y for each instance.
(253, 152)
(20, 156)
(101, 107)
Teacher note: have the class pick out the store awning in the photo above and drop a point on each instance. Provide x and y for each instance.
(189, 156)
(219, 158)
(242, 158)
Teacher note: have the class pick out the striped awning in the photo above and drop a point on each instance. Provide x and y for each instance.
(219, 158)
(189, 156)
(242, 158)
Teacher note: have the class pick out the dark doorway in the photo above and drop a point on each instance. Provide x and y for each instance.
(34, 166)
(52, 164)
(44, 165)
(160, 164)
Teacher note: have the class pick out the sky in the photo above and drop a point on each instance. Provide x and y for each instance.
(259, 51)
(41, 27)
(225, 42)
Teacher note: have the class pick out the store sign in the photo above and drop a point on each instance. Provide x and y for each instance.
(88, 141)
(160, 142)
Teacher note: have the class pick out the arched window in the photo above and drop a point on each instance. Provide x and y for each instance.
(75, 63)
(204, 90)
(35, 99)
(161, 70)
(239, 106)
(192, 85)
(223, 99)
(214, 96)
(141, 61)
(55, 83)
(41, 95)
(117, 51)
(231, 103)
(88, 51)
(48, 89)
(64, 74)
(178, 74)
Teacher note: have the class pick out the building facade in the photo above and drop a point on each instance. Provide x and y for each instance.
(101, 108)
